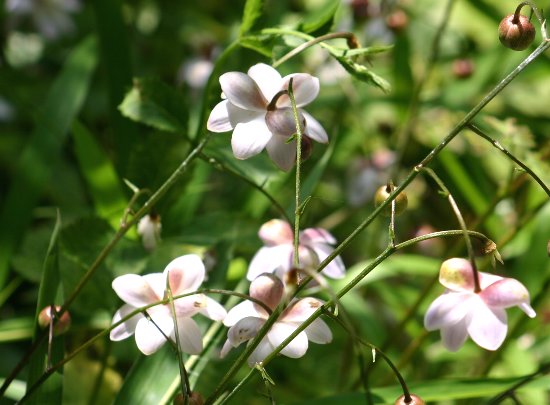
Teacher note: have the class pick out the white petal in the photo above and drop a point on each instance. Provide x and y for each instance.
(311, 236)
(508, 292)
(318, 332)
(157, 281)
(300, 310)
(190, 338)
(134, 290)
(218, 121)
(261, 351)
(282, 153)
(127, 328)
(213, 310)
(244, 330)
(242, 91)
(267, 79)
(336, 268)
(486, 279)
(454, 336)
(305, 87)
(456, 274)
(268, 259)
(447, 309)
(276, 232)
(280, 331)
(186, 274)
(488, 326)
(148, 337)
(250, 138)
(268, 289)
(243, 310)
(189, 306)
(227, 346)
(314, 129)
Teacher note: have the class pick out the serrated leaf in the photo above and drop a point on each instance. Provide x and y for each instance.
(154, 103)
(252, 12)
(320, 22)
(364, 74)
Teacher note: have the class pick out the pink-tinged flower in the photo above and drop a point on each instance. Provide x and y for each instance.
(261, 117)
(247, 318)
(278, 253)
(184, 275)
(149, 228)
(460, 311)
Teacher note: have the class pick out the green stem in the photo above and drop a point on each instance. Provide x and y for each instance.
(297, 210)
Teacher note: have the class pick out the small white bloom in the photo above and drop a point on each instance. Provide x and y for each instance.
(261, 117)
(51, 17)
(184, 275)
(149, 228)
(278, 253)
(460, 311)
(247, 318)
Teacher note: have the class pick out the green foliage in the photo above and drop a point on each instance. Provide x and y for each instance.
(253, 10)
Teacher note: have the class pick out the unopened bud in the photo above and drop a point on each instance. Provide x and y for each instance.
(463, 68)
(413, 400)
(61, 324)
(194, 399)
(516, 33)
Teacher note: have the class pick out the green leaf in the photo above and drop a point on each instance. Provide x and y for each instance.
(361, 72)
(320, 21)
(261, 44)
(149, 379)
(252, 12)
(156, 104)
(100, 175)
(34, 169)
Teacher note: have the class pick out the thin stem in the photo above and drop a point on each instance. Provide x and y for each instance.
(543, 369)
(297, 210)
(497, 145)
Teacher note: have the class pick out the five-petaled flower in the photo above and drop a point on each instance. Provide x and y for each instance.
(259, 112)
(246, 319)
(277, 256)
(184, 275)
(460, 311)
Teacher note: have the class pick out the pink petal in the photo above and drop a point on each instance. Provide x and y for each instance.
(242, 91)
(134, 290)
(268, 289)
(318, 332)
(297, 346)
(301, 310)
(267, 79)
(243, 310)
(304, 86)
(314, 129)
(276, 232)
(311, 236)
(213, 310)
(148, 337)
(447, 310)
(190, 305)
(244, 330)
(454, 336)
(190, 338)
(508, 292)
(336, 268)
(127, 328)
(250, 138)
(261, 351)
(281, 122)
(457, 274)
(185, 274)
(157, 281)
(486, 279)
(283, 154)
(268, 259)
(488, 326)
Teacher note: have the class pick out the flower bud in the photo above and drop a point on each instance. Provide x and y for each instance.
(397, 21)
(382, 195)
(463, 68)
(61, 326)
(516, 33)
(194, 399)
(414, 400)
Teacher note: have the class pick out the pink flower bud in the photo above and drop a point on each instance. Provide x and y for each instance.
(61, 325)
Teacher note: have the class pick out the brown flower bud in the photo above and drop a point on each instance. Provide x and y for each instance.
(414, 400)
(463, 68)
(61, 325)
(516, 33)
(382, 195)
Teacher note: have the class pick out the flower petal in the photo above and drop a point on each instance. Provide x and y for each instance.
(218, 121)
(447, 310)
(301, 310)
(268, 289)
(250, 138)
(314, 129)
(454, 336)
(157, 281)
(243, 310)
(487, 326)
(185, 274)
(276, 232)
(268, 259)
(297, 346)
(318, 332)
(457, 274)
(282, 153)
(148, 337)
(242, 91)
(281, 122)
(190, 305)
(310, 236)
(508, 292)
(227, 346)
(213, 310)
(486, 279)
(336, 268)
(305, 87)
(261, 351)
(134, 290)
(267, 79)
(190, 338)
(127, 328)
(244, 330)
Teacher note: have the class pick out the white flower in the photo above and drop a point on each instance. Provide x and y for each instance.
(51, 17)
(460, 311)
(247, 318)
(185, 274)
(149, 229)
(261, 116)
(278, 253)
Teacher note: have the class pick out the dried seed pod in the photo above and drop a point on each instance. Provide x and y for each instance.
(516, 32)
